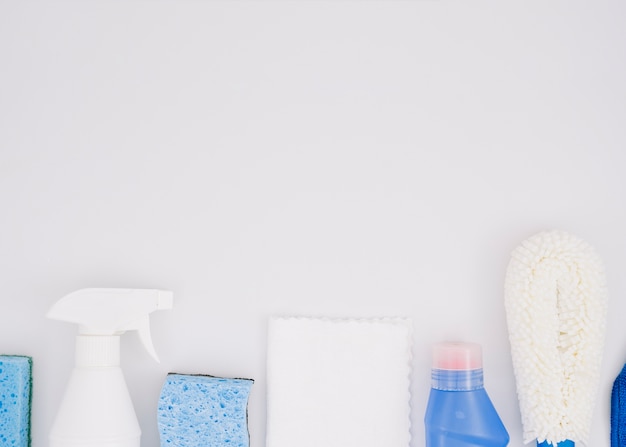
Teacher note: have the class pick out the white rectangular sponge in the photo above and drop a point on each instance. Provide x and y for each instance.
(338, 382)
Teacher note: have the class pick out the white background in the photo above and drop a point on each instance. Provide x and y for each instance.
(302, 158)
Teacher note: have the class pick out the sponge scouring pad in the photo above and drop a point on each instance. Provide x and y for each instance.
(15, 398)
(204, 411)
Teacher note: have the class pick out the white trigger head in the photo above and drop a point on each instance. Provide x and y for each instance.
(113, 311)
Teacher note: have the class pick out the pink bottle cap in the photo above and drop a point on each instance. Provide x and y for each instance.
(457, 356)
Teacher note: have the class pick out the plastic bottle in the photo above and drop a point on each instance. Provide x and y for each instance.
(96, 410)
(459, 412)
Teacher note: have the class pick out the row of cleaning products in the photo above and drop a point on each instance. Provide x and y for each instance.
(555, 300)
(97, 411)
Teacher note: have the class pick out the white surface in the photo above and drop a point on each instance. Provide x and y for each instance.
(338, 382)
(341, 158)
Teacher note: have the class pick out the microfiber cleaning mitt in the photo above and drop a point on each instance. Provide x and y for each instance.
(556, 304)
(15, 398)
(204, 411)
(338, 383)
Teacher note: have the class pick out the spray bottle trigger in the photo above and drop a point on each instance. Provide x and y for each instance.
(143, 330)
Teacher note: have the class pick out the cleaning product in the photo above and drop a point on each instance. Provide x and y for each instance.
(556, 303)
(15, 400)
(96, 410)
(338, 382)
(459, 412)
(200, 410)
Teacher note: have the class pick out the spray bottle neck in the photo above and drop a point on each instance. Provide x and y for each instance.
(457, 380)
(97, 351)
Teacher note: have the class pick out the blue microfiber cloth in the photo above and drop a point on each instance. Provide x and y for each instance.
(15, 397)
(204, 411)
(618, 410)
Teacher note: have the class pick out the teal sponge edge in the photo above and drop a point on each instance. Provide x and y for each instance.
(204, 411)
(15, 400)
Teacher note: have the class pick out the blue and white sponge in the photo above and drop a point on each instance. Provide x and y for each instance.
(15, 398)
(204, 411)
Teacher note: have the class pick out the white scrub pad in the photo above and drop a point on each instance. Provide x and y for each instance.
(338, 382)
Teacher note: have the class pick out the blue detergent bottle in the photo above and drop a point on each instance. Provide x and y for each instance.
(459, 412)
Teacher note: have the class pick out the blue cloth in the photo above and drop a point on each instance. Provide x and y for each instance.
(618, 410)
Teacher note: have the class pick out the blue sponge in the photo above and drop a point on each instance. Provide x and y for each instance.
(15, 395)
(204, 411)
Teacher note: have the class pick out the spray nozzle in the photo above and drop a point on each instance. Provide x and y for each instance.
(112, 311)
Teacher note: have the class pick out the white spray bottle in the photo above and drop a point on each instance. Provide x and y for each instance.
(96, 410)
